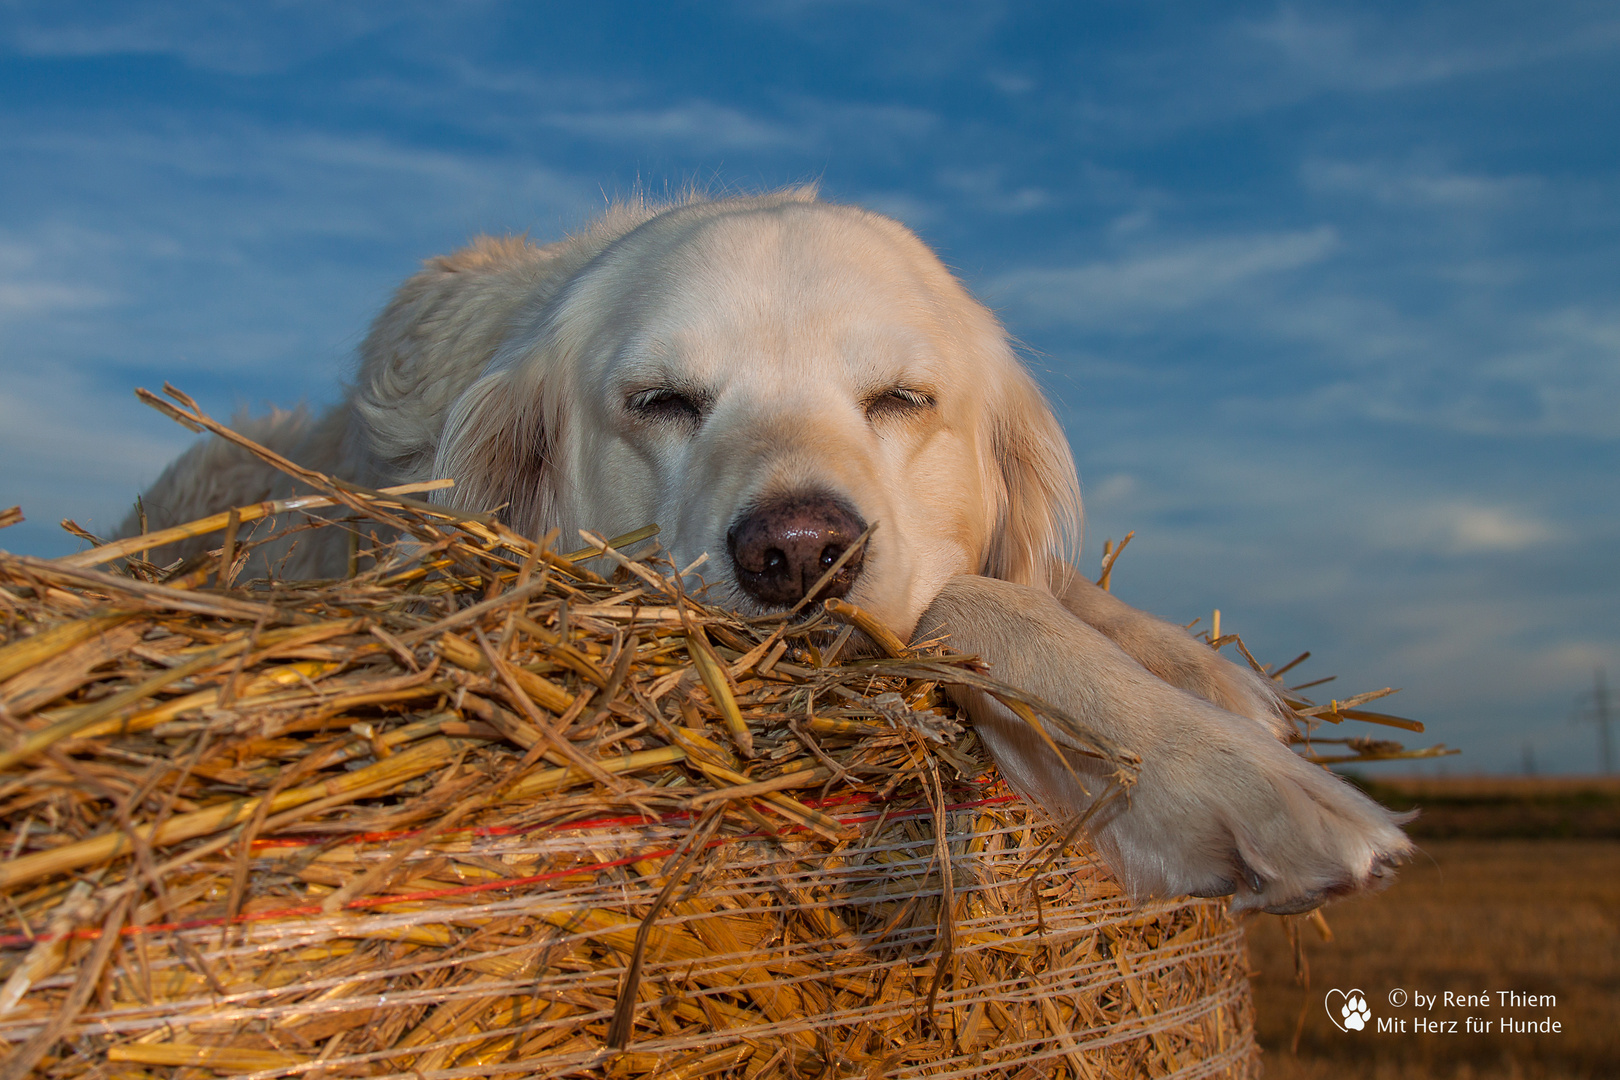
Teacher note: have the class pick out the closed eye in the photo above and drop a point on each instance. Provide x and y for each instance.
(898, 402)
(668, 405)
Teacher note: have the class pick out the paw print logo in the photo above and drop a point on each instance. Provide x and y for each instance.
(1348, 1011)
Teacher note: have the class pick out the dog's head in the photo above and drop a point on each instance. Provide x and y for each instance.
(767, 378)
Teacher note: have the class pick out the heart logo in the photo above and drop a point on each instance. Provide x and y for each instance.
(1348, 1011)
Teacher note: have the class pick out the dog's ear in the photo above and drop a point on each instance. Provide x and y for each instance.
(1039, 520)
(436, 337)
(499, 446)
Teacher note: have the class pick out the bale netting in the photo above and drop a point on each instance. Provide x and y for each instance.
(479, 810)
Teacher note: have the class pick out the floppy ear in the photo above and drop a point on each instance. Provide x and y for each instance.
(436, 337)
(1039, 519)
(499, 445)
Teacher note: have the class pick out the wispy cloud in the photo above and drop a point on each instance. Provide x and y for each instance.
(1466, 529)
(240, 227)
(1122, 293)
(1360, 53)
(1485, 370)
(642, 114)
(802, 127)
(241, 39)
(990, 188)
(1206, 68)
(1424, 186)
(75, 447)
(1371, 52)
(701, 125)
(34, 280)
(1388, 576)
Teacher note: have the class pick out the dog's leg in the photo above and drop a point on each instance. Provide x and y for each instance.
(1173, 654)
(1219, 807)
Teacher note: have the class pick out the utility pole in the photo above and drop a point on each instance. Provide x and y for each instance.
(1599, 714)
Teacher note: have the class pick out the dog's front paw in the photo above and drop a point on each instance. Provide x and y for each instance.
(1219, 807)
(1251, 820)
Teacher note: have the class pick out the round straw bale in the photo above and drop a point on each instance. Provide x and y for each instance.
(743, 956)
(483, 809)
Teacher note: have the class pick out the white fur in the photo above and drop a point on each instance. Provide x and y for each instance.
(512, 368)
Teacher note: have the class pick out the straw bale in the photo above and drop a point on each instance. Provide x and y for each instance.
(484, 809)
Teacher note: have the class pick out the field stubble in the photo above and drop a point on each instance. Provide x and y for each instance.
(1469, 915)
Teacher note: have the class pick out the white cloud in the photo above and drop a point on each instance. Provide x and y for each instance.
(1155, 281)
(1584, 328)
(1464, 598)
(1111, 489)
(806, 125)
(42, 297)
(256, 250)
(1492, 367)
(903, 206)
(35, 282)
(221, 183)
(245, 39)
(1575, 661)
(988, 188)
(1463, 529)
(700, 124)
(1416, 185)
(1368, 53)
(1375, 513)
(1216, 67)
(1010, 83)
(1338, 52)
(75, 448)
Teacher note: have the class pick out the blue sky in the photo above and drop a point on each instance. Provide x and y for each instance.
(1327, 295)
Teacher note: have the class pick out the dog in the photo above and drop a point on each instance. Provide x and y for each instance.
(766, 377)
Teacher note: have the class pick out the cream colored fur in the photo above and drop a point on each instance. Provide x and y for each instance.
(825, 347)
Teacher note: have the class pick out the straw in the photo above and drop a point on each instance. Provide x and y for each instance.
(430, 819)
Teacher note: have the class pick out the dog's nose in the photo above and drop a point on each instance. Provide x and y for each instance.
(781, 547)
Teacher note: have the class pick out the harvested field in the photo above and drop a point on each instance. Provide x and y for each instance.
(1470, 916)
(1503, 807)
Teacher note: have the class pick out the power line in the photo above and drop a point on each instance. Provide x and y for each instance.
(1598, 713)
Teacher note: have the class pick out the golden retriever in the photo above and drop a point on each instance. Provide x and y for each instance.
(765, 377)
